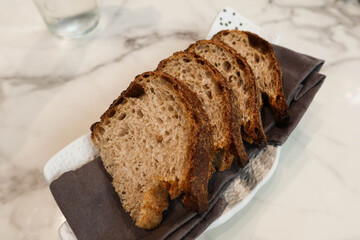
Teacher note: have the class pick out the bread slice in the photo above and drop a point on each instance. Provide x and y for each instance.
(212, 90)
(261, 58)
(241, 81)
(154, 144)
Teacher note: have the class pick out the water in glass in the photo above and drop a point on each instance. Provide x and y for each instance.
(69, 18)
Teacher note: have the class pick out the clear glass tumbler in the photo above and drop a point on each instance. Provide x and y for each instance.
(69, 18)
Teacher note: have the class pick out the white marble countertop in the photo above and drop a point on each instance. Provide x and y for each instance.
(52, 90)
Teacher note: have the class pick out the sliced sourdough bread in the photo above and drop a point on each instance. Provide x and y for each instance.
(261, 58)
(212, 90)
(155, 143)
(241, 81)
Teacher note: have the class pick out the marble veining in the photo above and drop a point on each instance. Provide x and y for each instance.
(52, 90)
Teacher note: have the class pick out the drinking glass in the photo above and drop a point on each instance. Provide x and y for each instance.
(69, 18)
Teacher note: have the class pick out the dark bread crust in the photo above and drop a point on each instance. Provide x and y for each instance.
(195, 186)
(277, 103)
(225, 159)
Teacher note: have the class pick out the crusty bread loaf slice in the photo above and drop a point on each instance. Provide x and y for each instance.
(212, 90)
(241, 81)
(154, 143)
(261, 58)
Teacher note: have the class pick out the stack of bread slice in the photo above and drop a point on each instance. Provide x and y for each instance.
(166, 134)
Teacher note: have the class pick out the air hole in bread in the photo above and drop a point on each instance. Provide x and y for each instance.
(135, 91)
(140, 113)
(107, 121)
(256, 57)
(227, 66)
(101, 130)
(218, 89)
(208, 93)
(159, 120)
(111, 113)
(201, 62)
(159, 138)
(231, 78)
(196, 119)
(257, 43)
(240, 82)
(219, 86)
(167, 133)
(171, 97)
(133, 110)
(238, 74)
(123, 132)
(233, 43)
(118, 101)
(152, 90)
(122, 116)
(208, 74)
(146, 75)
(186, 60)
(170, 108)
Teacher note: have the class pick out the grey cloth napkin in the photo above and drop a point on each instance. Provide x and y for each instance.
(93, 209)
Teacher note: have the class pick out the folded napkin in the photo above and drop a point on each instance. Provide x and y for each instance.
(93, 209)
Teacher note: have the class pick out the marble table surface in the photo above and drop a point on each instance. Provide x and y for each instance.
(52, 90)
